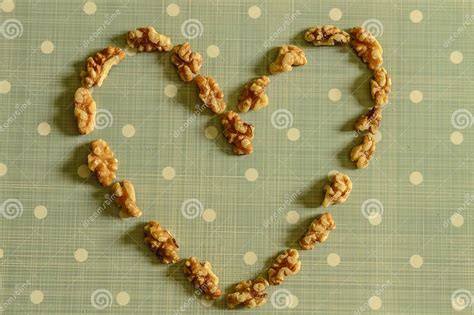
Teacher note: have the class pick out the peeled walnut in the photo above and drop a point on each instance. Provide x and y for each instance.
(370, 121)
(102, 162)
(338, 191)
(363, 153)
(318, 231)
(147, 39)
(202, 278)
(98, 67)
(124, 192)
(367, 47)
(238, 132)
(286, 264)
(288, 57)
(161, 242)
(84, 110)
(186, 61)
(253, 95)
(326, 35)
(380, 86)
(250, 293)
(210, 93)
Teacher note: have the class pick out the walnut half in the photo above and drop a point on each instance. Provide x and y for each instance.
(98, 66)
(250, 293)
(367, 47)
(210, 93)
(380, 86)
(238, 132)
(161, 242)
(370, 121)
(84, 110)
(102, 162)
(202, 277)
(326, 35)
(318, 231)
(288, 57)
(124, 192)
(286, 264)
(338, 191)
(147, 39)
(186, 61)
(253, 95)
(361, 154)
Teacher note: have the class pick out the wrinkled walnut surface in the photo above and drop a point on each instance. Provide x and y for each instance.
(84, 110)
(186, 61)
(98, 66)
(338, 190)
(318, 231)
(361, 154)
(210, 93)
(202, 277)
(370, 121)
(101, 161)
(250, 293)
(161, 242)
(286, 264)
(288, 57)
(124, 193)
(253, 95)
(326, 35)
(380, 86)
(367, 47)
(238, 133)
(147, 39)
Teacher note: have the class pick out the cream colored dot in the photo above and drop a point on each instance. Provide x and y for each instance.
(211, 132)
(36, 297)
(89, 7)
(250, 258)
(83, 171)
(457, 137)
(292, 217)
(3, 169)
(416, 261)
(333, 259)
(254, 12)
(1, 253)
(168, 173)
(171, 90)
(375, 302)
(457, 220)
(5, 86)
(332, 173)
(416, 178)
(207, 303)
(335, 14)
(293, 301)
(8, 5)
(375, 219)
(416, 96)
(293, 134)
(40, 212)
(251, 174)
(173, 9)
(209, 215)
(122, 298)
(128, 131)
(334, 95)
(378, 136)
(44, 129)
(81, 254)
(456, 57)
(130, 51)
(47, 47)
(416, 16)
(124, 215)
(213, 51)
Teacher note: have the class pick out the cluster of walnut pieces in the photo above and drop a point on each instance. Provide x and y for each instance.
(202, 277)
(380, 86)
(367, 47)
(101, 161)
(288, 57)
(186, 61)
(338, 190)
(124, 194)
(370, 121)
(238, 132)
(98, 66)
(250, 293)
(253, 95)
(84, 110)
(326, 35)
(318, 231)
(210, 93)
(161, 242)
(147, 39)
(361, 154)
(286, 264)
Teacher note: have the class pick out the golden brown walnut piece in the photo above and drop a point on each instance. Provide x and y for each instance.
(238, 132)
(186, 61)
(202, 277)
(102, 162)
(370, 121)
(363, 153)
(380, 86)
(84, 110)
(210, 93)
(147, 39)
(124, 192)
(326, 35)
(288, 57)
(367, 47)
(286, 264)
(250, 293)
(338, 191)
(98, 67)
(253, 95)
(161, 242)
(318, 231)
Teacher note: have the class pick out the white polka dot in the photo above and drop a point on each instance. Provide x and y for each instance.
(333, 259)
(250, 258)
(124, 215)
(335, 14)
(378, 136)
(47, 47)
(375, 302)
(251, 174)
(44, 129)
(171, 90)
(457, 137)
(36, 297)
(416, 96)
(168, 173)
(89, 7)
(293, 301)
(8, 5)
(416, 261)
(457, 220)
(456, 57)
(292, 217)
(173, 9)
(213, 51)
(375, 219)
(211, 132)
(332, 173)
(1, 253)
(209, 215)
(128, 131)
(207, 303)
(416, 178)
(293, 134)
(5, 86)
(254, 12)
(334, 95)
(122, 298)
(3, 169)
(83, 171)
(40, 212)
(81, 254)
(130, 51)
(416, 16)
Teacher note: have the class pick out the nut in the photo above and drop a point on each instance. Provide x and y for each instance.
(250, 293)
(370, 121)
(210, 93)
(363, 153)
(253, 95)
(380, 86)
(98, 67)
(102, 162)
(147, 39)
(238, 132)
(288, 56)
(338, 191)
(84, 110)
(367, 47)
(161, 242)
(318, 231)
(326, 35)
(125, 198)
(286, 264)
(186, 61)
(202, 278)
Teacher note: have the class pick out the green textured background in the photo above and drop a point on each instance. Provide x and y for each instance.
(432, 219)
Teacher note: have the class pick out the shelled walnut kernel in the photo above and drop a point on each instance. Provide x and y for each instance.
(338, 191)
(250, 293)
(367, 47)
(318, 231)
(161, 242)
(124, 192)
(202, 277)
(253, 95)
(286, 264)
(147, 39)
(210, 93)
(98, 66)
(101, 161)
(84, 110)
(361, 154)
(370, 121)
(238, 133)
(326, 35)
(186, 61)
(380, 86)
(288, 57)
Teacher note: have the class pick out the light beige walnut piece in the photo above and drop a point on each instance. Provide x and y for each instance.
(253, 95)
(147, 39)
(380, 86)
(326, 35)
(98, 66)
(370, 121)
(367, 47)
(101, 161)
(186, 61)
(238, 132)
(288, 57)
(361, 154)
(84, 110)
(124, 194)
(161, 242)
(210, 93)
(250, 293)
(338, 191)
(202, 277)
(286, 264)
(318, 231)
